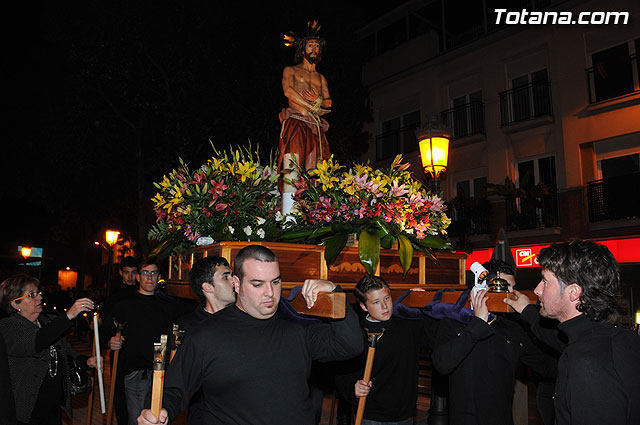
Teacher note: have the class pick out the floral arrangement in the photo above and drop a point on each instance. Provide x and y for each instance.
(379, 205)
(232, 197)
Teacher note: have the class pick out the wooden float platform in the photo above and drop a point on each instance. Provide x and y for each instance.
(299, 262)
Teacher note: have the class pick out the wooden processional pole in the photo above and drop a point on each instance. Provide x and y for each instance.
(373, 341)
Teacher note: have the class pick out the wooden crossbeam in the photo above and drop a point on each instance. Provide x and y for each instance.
(330, 305)
(495, 302)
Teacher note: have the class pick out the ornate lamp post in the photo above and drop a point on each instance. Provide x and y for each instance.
(111, 236)
(433, 140)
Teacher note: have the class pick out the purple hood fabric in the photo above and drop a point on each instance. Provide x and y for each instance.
(436, 308)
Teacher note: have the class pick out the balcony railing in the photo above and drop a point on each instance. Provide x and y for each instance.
(465, 120)
(614, 198)
(525, 102)
(538, 209)
(611, 79)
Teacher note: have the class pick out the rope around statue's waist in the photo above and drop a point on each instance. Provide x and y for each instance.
(314, 120)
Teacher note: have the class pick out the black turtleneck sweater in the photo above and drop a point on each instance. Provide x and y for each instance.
(255, 371)
(146, 317)
(598, 373)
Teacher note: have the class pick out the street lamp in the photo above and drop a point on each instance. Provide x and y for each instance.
(26, 252)
(433, 140)
(111, 236)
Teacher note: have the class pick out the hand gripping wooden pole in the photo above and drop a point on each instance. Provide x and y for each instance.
(114, 371)
(159, 351)
(373, 341)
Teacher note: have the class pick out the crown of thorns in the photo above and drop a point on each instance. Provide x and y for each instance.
(293, 39)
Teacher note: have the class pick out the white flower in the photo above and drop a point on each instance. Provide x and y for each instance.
(247, 230)
(231, 230)
(261, 221)
(260, 233)
(278, 216)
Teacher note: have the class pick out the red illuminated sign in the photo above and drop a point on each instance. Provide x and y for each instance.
(525, 257)
(625, 250)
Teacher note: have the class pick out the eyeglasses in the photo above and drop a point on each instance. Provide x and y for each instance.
(31, 294)
(149, 273)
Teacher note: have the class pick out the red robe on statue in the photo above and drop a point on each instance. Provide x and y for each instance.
(299, 135)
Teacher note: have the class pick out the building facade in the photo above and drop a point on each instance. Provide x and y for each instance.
(545, 118)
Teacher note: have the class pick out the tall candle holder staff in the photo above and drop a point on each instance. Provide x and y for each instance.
(371, 352)
(114, 373)
(159, 363)
(96, 338)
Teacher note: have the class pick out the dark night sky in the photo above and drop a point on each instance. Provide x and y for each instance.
(67, 152)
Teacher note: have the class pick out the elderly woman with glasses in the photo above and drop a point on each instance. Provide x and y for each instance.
(37, 351)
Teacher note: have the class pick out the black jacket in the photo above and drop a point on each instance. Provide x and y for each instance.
(29, 358)
(481, 360)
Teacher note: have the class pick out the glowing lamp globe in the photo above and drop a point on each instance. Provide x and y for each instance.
(434, 152)
(25, 251)
(111, 237)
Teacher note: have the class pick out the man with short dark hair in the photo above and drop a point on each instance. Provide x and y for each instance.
(211, 280)
(253, 364)
(599, 368)
(129, 286)
(145, 316)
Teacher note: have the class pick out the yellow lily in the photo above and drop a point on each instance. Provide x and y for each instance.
(158, 200)
(165, 183)
(245, 169)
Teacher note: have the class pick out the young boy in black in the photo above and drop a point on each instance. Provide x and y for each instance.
(392, 392)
